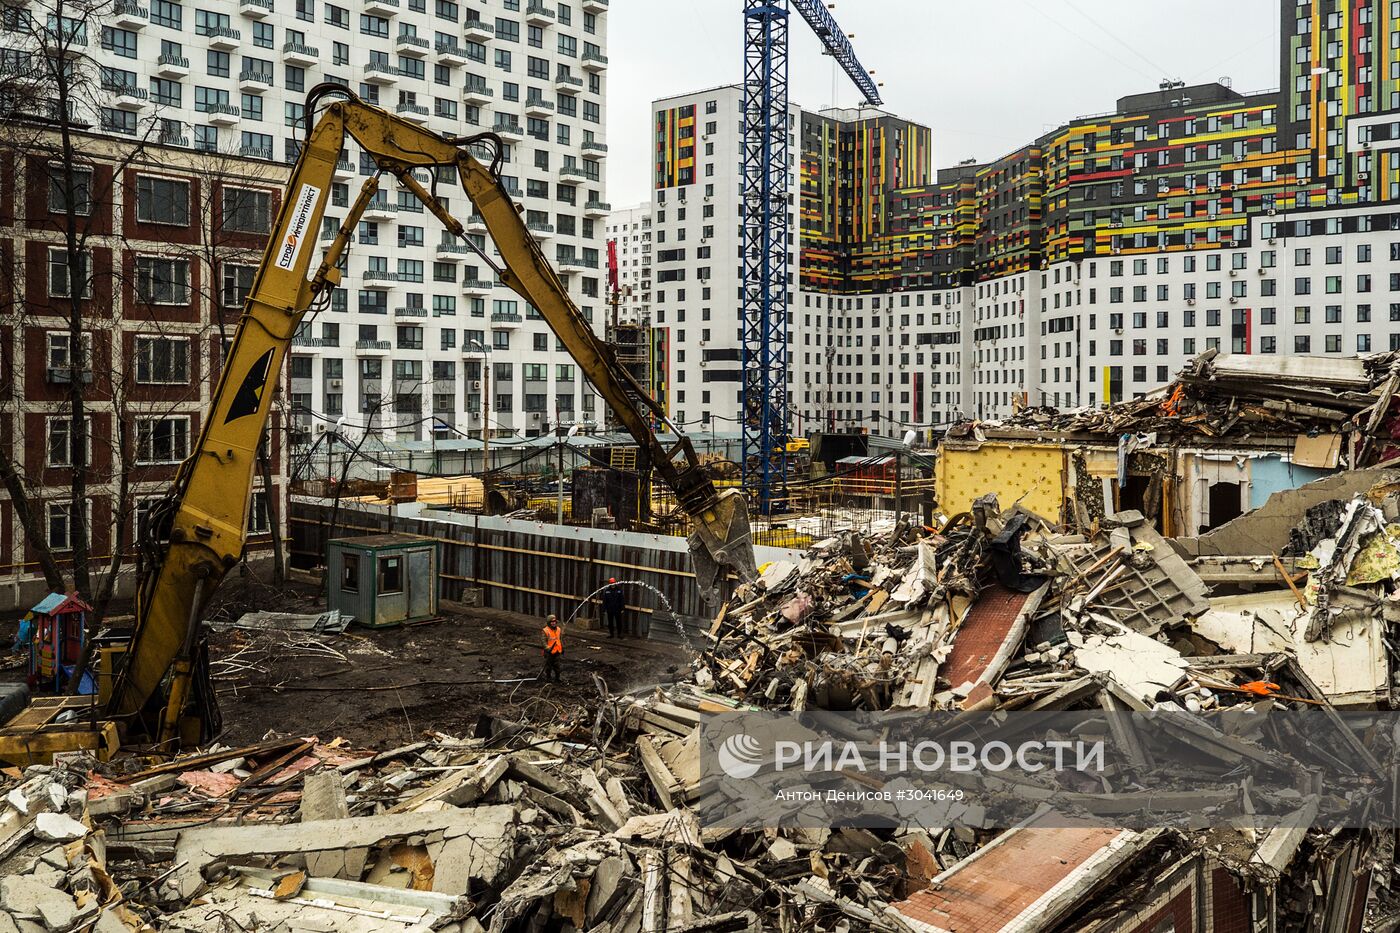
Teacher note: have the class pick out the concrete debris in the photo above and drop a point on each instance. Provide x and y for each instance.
(322, 623)
(588, 824)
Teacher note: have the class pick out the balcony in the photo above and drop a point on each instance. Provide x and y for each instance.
(379, 278)
(596, 209)
(476, 92)
(255, 9)
(595, 62)
(572, 175)
(256, 152)
(255, 81)
(224, 114)
(381, 210)
(509, 130)
(451, 54)
(414, 112)
(594, 150)
(344, 169)
(174, 139)
(506, 320)
(571, 264)
(382, 7)
(406, 312)
(373, 346)
(542, 231)
(412, 46)
(451, 252)
(476, 287)
(224, 38)
(568, 84)
(300, 341)
(595, 6)
(477, 31)
(173, 66)
(300, 54)
(128, 15)
(537, 14)
(539, 107)
(382, 73)
(476, 224)
(127, 96)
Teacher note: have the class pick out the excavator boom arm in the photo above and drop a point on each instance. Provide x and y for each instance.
(208, 504)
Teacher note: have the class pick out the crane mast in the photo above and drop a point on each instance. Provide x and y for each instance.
(767, 229)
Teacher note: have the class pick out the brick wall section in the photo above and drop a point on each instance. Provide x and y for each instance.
(1177, 911)
(982, 633)
(1012, 875)
(1229, 904)
(114, 316)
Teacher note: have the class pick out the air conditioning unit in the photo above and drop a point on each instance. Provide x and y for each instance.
(1118, 331)
(1234, 272)
(704, 343)
(1272, 241)
(336, 383)
(476, 384)
(1261, 271)
(534, 416)
(1272, 211)
(1213, 188)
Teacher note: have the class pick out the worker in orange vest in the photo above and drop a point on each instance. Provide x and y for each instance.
(553, 649)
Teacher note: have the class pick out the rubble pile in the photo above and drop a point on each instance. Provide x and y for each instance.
(1219, 395)
(589, 822)
(509, 830)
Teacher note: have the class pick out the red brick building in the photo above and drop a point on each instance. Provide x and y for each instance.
(170, 240)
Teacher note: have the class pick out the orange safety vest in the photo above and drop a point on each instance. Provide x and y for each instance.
(553, 640)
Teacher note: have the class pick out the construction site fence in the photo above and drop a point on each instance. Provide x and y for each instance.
(530, 567)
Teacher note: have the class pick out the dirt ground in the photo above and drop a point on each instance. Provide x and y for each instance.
(383, 688)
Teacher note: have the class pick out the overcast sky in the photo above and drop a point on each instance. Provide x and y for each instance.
(986, 75)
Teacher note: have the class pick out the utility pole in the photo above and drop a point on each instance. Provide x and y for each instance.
(563, 436)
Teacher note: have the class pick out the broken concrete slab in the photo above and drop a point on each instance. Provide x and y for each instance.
(487, 829)
(28, 899)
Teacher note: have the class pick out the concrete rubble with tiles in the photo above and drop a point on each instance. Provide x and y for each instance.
(523, 827)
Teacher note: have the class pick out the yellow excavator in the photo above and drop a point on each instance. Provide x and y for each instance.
(156, 696)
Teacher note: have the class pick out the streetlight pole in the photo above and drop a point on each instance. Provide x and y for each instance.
(485, 352)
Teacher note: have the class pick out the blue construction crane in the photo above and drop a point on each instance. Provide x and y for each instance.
(767, 226)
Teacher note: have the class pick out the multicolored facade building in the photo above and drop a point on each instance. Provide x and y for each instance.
(1085, 266)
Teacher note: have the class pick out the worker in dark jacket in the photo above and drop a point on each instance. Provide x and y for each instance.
(553, 649)
(614, 602)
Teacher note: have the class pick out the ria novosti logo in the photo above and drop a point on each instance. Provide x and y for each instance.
(740, 756)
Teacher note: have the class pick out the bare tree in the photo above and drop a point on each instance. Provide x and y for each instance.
(51, 92)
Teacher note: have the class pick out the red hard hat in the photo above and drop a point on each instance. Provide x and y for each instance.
(612, 579)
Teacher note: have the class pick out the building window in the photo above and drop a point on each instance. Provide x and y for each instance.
(59, 275)
(167, 13)
(162, 281)
(81, 201)
(246, 210)
(260, 513)
(63, 442)
(162, 201)
(237, 282)
(60, 525)
(162, 360)
(162, 440)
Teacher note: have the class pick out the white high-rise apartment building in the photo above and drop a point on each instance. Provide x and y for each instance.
(403, 341)
(696, 243)
(630, 229)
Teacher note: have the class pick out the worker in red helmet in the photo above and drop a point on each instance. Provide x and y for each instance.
(614, 602)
